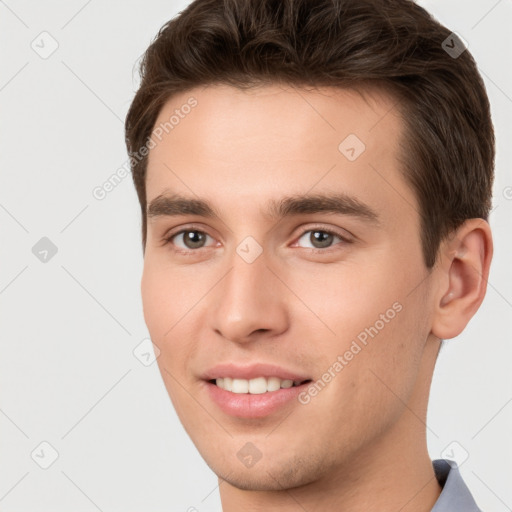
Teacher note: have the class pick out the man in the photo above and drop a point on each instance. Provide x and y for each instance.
(315, 182)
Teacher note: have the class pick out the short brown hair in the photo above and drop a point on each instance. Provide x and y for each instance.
(448, 152)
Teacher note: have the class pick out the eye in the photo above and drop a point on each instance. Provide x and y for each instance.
(189, 239)
(321, 238)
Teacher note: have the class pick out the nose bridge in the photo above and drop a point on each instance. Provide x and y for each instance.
(245, 302)
(245, 287)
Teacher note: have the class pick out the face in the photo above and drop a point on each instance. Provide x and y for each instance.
(330, 291)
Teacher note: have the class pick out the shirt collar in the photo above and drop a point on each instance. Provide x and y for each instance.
(455, 496)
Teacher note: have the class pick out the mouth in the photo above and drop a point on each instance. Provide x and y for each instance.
(258, 397)
(256, 386)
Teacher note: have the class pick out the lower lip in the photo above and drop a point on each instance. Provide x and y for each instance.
(246, 405)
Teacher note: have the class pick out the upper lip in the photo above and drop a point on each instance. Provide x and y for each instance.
(252, 371)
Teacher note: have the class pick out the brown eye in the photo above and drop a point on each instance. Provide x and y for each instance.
(190, 239)
(320, 238)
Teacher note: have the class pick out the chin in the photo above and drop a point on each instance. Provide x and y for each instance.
(265, 476)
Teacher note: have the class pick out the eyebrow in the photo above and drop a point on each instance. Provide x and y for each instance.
(339, 203)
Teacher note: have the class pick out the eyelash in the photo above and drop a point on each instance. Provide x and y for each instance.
(168, 239)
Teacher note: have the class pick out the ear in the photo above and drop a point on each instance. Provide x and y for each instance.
(464, 261)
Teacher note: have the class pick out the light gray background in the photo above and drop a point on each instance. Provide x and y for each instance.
(69, 325)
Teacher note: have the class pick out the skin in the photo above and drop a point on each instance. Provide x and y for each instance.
(360, 444)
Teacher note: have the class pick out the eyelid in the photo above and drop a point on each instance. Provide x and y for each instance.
(166, 238)
(344, 235)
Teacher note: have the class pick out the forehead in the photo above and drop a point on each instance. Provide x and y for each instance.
(259, 143)
(282, 111)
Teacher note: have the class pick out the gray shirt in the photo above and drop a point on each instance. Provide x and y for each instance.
(455, 496)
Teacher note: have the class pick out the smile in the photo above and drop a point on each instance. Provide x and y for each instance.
(256, 386)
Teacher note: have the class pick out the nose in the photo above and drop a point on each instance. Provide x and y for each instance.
(250, 302)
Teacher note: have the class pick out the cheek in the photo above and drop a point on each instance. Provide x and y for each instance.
(162, 319)
(394, 338)
(376, 311)
(380, 365)
(168, 299)
(167, 295)
(346, 298)
(153, 292)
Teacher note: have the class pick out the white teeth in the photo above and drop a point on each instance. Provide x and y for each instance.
(240, 386)
(254, 386)
(273, 384)
(287, 383)
(258, 386)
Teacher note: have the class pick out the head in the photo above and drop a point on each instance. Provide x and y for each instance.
(259, 125)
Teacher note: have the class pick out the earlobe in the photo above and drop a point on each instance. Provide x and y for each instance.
(466, 260)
